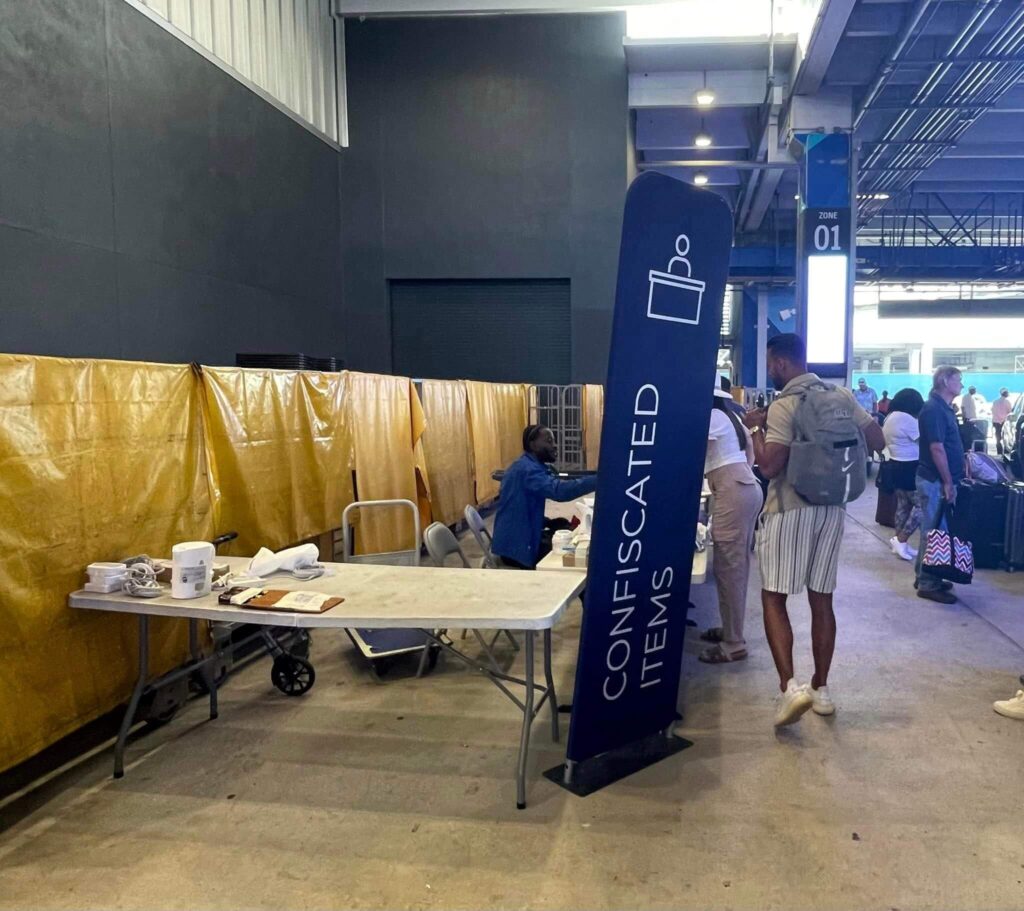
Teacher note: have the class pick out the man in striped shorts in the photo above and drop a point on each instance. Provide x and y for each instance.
(797, 542)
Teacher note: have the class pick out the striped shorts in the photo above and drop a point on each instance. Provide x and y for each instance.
(799, 549)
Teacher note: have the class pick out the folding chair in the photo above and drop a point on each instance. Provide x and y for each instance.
(483, 537)
(441, 544)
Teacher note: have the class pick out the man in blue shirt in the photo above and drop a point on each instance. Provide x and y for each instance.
(939, 470)
(527, 485)
(866, 397)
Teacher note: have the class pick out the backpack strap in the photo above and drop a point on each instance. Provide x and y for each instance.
(802, 389)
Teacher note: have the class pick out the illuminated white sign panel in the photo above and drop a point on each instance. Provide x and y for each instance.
(826, 308)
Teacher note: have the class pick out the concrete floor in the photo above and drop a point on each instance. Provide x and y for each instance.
(400, 795)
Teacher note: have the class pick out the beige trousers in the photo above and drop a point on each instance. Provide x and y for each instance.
(737, 504)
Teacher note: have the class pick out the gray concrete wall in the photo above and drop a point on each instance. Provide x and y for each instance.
(489, 147)
(152, 207)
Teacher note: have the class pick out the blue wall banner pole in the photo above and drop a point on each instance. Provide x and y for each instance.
(673, 264)
(826, 255)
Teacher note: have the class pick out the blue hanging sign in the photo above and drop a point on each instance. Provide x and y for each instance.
(673, 264)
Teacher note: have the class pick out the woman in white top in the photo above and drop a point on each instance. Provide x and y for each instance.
(902, 437)
(737, 502)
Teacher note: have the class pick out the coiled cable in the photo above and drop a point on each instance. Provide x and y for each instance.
(140, 582)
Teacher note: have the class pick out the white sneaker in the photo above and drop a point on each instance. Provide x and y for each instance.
(901, 549)
(1011, 708)
(792, 704)
(823, 704)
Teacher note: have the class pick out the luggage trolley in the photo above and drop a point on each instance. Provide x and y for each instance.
(381, 646)
(291, 672)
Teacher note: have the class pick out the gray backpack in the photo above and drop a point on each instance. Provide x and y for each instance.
(828, 454)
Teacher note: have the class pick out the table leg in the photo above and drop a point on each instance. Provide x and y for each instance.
(133, 703)
(209, 679)
(550, 681)
(524, 738)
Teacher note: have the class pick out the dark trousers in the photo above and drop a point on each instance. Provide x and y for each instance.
(998, 428)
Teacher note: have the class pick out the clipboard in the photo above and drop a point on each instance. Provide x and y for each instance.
(271, 599)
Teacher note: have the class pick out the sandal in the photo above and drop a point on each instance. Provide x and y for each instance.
(714, 634)
(717, 655)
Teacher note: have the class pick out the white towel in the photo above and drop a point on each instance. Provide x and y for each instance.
(302, 561)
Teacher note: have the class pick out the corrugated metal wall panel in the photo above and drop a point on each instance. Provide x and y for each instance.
(493, 330)
(181, 15)
(202, 23)
(284, 47)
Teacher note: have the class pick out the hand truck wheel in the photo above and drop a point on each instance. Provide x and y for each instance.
(292, 676)
(435, 653)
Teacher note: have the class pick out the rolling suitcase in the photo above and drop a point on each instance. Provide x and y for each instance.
(1013, 542)
(886, 482)
(980, 517)
(885, 508)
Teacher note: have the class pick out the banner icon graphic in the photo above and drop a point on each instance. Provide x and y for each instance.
(672, 297)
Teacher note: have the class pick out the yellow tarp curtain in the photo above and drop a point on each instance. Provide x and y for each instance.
(497, 416)
(448, 449)
(280, 453)
(386, 420)
(593, 414)
(99, 460)
(103, 459)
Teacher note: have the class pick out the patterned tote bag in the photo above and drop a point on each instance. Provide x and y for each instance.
(947, 556)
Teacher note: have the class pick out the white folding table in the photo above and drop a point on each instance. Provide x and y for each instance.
(698, 575)
(424, 598)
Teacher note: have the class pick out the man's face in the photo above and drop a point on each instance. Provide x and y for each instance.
(955, 384)
(543, 446)
(862, 385)
(774, 368)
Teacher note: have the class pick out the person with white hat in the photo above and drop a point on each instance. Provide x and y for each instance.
(737, 502)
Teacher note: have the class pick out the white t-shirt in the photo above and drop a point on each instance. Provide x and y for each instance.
(901, 437)
(969, 407)
(723, 447)
(1001, 409)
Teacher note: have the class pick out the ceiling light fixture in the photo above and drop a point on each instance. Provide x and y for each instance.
(704, 96)
(703, 139)
(700, 179)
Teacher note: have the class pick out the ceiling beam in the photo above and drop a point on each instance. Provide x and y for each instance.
(373, 8)
(711, 163)
(828, 29)
(732, 88)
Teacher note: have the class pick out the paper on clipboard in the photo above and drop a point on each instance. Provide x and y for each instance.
(300, 602)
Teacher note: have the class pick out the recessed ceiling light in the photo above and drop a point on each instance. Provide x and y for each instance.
(704, 97)
(881, 196)
(702, 140)
(797, 196)
(700, 178)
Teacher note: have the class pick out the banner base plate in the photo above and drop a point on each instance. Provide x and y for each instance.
(594, 774)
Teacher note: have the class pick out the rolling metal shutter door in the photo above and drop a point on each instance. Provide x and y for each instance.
(493, 330)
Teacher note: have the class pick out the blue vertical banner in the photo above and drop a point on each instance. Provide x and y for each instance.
(673, 264)
(825, 251)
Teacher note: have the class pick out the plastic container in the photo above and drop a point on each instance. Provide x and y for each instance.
(192, 569)
(561, 541)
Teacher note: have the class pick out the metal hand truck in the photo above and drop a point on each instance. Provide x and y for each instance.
(292, 673)
(382, 646)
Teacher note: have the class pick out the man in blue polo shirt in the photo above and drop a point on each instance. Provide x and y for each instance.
(939, 470)
(527, 485)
